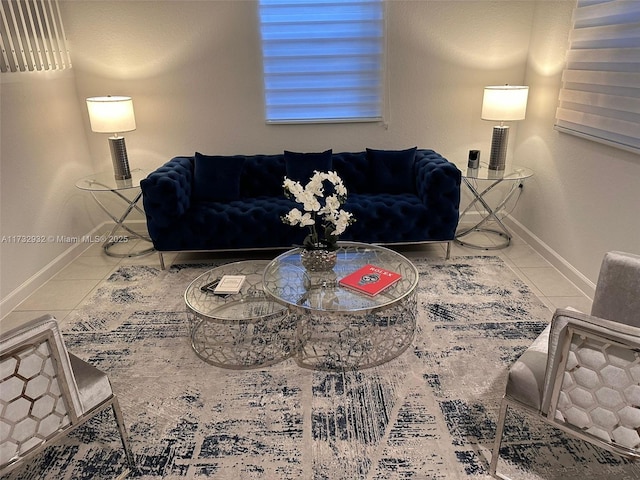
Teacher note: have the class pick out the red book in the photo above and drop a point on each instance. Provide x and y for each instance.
(370, 279)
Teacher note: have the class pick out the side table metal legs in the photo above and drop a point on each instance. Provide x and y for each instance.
(489, 215)
(112, 238)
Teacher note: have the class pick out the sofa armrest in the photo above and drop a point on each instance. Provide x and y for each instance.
(438, 186)
(166, 193)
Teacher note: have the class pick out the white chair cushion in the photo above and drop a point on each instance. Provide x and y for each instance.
(527, 374)
(93, 385)
(617, 292)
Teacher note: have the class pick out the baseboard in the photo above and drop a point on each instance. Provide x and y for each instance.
(578, 279)
(20, 294)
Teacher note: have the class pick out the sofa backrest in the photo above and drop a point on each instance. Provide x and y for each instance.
(264, 174)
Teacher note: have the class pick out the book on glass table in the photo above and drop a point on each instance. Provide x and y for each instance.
(229, 284)
(370, 279)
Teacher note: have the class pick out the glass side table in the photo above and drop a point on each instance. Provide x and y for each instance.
(490, 222)
(105, 182)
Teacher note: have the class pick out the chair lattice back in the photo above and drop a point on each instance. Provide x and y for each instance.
(34, 397)
(597, 391)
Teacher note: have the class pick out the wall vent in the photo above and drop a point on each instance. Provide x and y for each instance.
(32, 36)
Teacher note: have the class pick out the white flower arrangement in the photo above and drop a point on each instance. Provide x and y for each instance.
(318, 213)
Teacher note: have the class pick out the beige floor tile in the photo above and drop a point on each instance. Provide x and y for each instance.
(536, 291)
(89, 267)
(523, 255)
(17, 318)
(58, 295)
(95, 250)
(481, 241)
(549, 304)
(131, 247)
(151, 259)
(458, 250)
(551, 282)
(581, 303)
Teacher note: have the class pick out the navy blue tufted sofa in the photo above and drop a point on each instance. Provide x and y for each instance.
(179, 220)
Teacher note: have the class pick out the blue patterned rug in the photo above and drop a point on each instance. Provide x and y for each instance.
(428, 414)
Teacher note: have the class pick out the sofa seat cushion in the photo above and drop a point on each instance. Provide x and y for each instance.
(244, 223)
(388, 218)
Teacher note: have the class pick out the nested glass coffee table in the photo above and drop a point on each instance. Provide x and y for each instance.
(340, 329)
(244, 330)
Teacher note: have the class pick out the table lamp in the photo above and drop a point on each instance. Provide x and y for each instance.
(113, 114)
(502, 103)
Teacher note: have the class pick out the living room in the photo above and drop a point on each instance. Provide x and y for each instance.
(194, 72)
(193, 69)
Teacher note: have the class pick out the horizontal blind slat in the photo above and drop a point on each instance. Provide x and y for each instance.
(602, 13)
(604, 55)
(615, 35)
(620, 79)
(605, 124)
(600, 94)
(592, 99)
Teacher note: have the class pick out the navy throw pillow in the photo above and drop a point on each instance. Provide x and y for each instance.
(392, 170)
(300, 166)
(217, 178)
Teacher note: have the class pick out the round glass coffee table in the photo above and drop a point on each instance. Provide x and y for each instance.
(243, 330)
(338, 328)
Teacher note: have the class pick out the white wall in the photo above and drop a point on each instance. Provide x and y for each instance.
(584, 199)
(193, 69)
(43, 151)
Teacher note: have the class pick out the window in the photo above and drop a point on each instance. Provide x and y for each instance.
(32, 36)
(600, 95)
(322, 60)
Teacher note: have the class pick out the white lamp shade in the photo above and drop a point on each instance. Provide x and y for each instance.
(111, 114)
(504, 103)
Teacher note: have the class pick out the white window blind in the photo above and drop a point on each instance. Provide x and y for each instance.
(322, 60)
(32, 36)
(600, 95)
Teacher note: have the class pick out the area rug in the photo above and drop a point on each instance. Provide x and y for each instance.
(428, 414)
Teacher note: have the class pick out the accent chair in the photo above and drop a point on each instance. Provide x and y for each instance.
(582, 373)
(46, 392)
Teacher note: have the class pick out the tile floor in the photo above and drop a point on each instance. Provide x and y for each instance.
(73, 284)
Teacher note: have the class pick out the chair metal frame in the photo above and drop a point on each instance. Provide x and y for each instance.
(558, 371)
(76, 418)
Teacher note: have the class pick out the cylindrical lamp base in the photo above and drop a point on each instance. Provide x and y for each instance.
(499, 140)
(119, 158)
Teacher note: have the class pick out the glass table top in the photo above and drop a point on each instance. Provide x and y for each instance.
(105, 181)
(511, 172)
(286, 280)
(249, 303)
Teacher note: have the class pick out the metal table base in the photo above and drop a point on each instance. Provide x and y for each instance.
(490, 223)
(105, 182)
